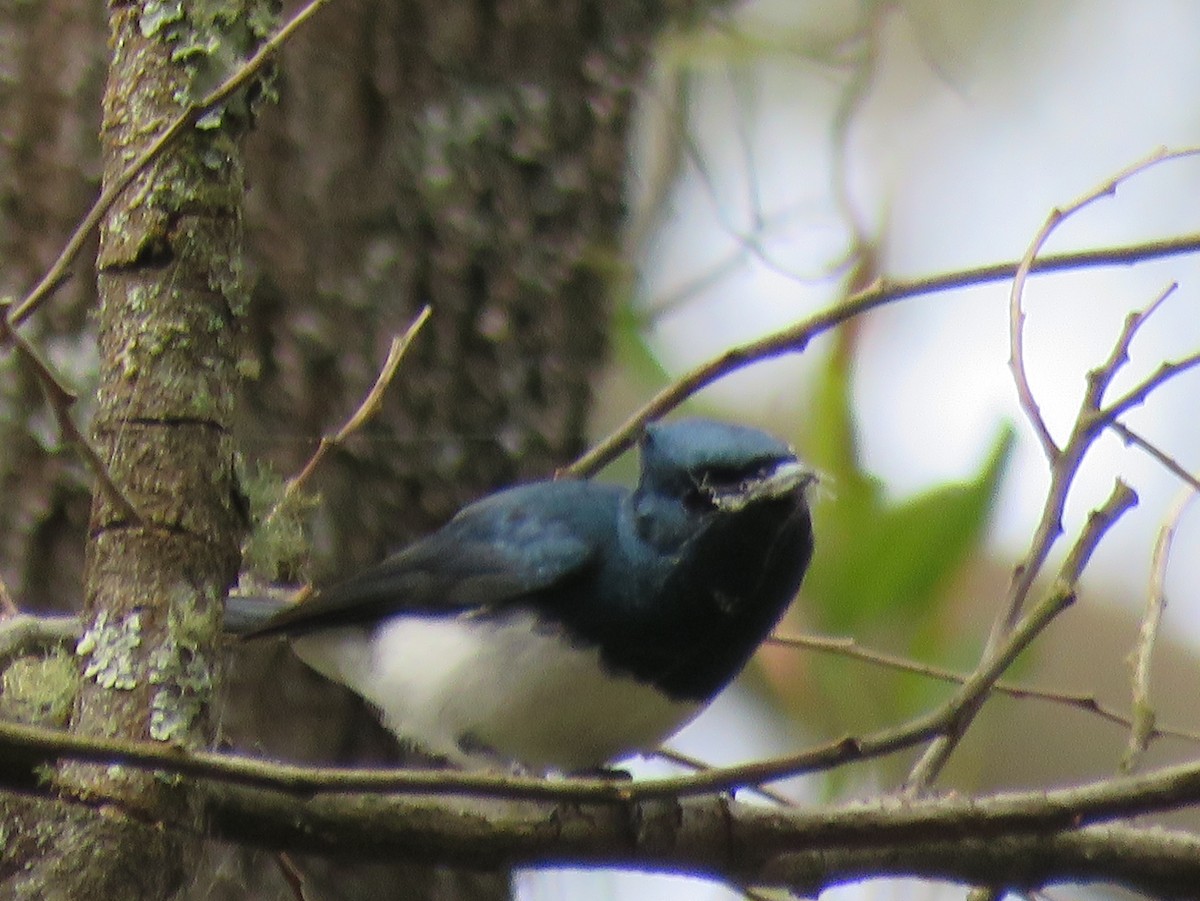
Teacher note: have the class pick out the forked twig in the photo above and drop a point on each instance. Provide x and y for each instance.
(1016, 312)
(999, 658)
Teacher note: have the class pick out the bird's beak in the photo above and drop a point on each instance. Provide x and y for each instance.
(785, 478)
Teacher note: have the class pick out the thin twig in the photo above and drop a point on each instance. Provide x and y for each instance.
(975, 690)
(696, 765)
(1139, 393)
(848, 647)
(1099, 379)
(184, 121)
(362, 415)
(1156, 601)
(1099, 521)
(60, 398)
(1168, 462)
(1090, 422)
(796, 338)
(369, 406)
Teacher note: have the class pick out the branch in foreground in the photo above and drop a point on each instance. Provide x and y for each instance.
(1027, 840)
(1003, 650)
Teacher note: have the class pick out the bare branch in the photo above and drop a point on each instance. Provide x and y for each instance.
(697, 765)
(366, 410)
(1169, 463)
(967, 703)
(796, 338)
(1156, 601)
(1099, 521)
(1016, 312)
(60, 399)
(1099, 379)
(848, 647)
(1027, 839)
(1138, 394)
(1090, 422)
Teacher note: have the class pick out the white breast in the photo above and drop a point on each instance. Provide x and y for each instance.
(455, 685)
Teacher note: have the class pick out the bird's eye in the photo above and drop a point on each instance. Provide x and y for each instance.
(708, 485)
(724, 487)
(717, 479)
(699, 498)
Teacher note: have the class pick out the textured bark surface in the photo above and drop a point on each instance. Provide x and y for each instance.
(169, 268)
(469, 156)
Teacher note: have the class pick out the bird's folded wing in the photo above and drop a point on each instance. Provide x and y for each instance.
(476, 561)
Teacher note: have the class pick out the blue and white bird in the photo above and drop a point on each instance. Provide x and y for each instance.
(561, 625)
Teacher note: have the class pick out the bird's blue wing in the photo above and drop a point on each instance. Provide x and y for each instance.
(509, 546)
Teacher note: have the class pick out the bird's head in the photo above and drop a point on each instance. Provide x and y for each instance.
(698, 468)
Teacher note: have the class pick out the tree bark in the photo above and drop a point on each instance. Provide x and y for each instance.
(171, 297)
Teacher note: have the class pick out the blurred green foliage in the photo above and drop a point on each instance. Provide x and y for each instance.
(881, 571)
(878, 558)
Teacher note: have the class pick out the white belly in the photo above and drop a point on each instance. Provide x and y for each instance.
(456, 685)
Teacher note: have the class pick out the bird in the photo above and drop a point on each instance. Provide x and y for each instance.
(561, 625)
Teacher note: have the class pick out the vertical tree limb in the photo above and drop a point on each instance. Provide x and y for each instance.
(171, 297)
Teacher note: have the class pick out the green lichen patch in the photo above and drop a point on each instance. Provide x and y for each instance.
(210, 38)
(183, 679)
(110, 646)
(180, 669)
(40, 690)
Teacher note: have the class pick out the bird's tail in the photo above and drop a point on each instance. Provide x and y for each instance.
(244, 613)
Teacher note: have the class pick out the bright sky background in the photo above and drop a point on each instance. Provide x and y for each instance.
(982, 117)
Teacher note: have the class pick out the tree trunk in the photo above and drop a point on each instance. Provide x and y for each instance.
(160, 560)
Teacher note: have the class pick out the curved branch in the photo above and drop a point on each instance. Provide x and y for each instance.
(796, 338)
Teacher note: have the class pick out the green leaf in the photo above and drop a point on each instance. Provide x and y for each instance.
(877, 559)
(633, 349)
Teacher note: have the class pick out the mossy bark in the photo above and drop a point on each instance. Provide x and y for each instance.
(170, 302)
